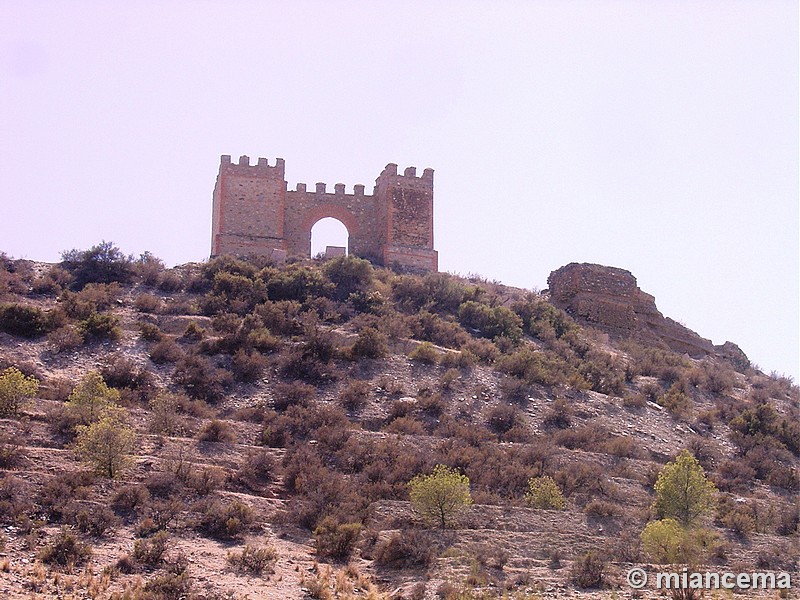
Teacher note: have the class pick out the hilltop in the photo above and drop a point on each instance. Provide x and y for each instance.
(280, 411)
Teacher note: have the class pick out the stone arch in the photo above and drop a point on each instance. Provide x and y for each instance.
(335, 211)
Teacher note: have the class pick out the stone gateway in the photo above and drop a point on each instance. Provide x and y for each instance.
(255, 214)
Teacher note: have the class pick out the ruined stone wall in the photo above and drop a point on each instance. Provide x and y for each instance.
(254, 213)
(357, 211)
(608, 298)
(248, 207)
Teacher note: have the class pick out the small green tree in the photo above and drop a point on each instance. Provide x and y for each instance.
(665, 541)
(682, 490)
(668, 542)
(440, 496)
(91, 397)
(15, 390)
(107, 442)
(543, 492)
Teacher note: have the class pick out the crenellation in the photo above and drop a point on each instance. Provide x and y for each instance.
(255, 213)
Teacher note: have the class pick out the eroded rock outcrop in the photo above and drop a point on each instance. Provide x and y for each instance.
(608, 298)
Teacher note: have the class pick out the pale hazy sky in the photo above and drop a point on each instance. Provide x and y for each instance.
(660, 137)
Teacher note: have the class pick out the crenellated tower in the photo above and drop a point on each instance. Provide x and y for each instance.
(255, 214)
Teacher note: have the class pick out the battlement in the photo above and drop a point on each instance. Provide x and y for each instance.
(339, 190)
(243, 168)
(407, 179)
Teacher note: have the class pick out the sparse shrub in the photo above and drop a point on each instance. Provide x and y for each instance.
(440, 496)
(407, 549)
(559, 416)
(149, 268)
(164, 417)
(407, 425)
(166, 351)
(448, 378)
(224, 521)
(349, 275)
(106, 443)
(502, 417)
(167, 586)
(206, 480)
(121, 372)
(15, 390)
(149, 552)
(252, 560)
(148, 303)
(217, 431)
(94, 298)
(248, 366)
(150, 332)
(355, 394)
(11, 450)
(588, 570)
(370, 343)
(164, 484)
(193, 332)
(335, 539)
(65, 550)
(201, 379)
(290, 394)
(65, 338)
(424, 353)
(94, 520)
(58, 492)
(601, 508)
(543, 492)
(257, 469)
(129, 499)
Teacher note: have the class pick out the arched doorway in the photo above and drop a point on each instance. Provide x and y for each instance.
(329, 231)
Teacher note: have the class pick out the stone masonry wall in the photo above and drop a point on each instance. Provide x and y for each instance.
(253, 213)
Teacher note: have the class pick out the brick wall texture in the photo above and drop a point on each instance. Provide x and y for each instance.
(255, 214)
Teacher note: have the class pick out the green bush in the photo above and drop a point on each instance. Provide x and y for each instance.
(543, 492)
(440, 496)
(25, 321)
(15, 390)
(348, 275)
(490, 322)
(370, 343)
(101, 326)
(103, 263)
(424, 353)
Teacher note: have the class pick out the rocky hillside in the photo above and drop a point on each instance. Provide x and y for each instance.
(239, 429)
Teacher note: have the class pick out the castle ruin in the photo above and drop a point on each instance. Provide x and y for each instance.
(255, 214)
